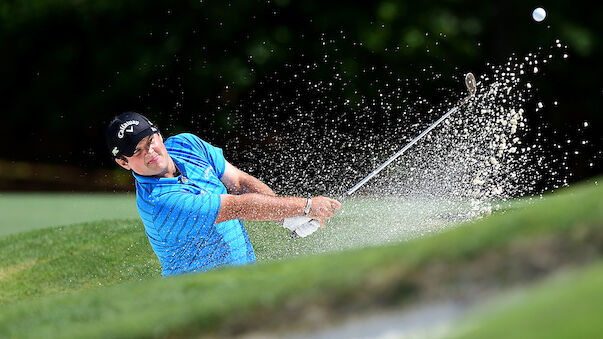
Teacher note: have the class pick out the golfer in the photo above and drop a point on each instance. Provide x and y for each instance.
(191, 200)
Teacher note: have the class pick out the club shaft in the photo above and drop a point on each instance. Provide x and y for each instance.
(400, 152)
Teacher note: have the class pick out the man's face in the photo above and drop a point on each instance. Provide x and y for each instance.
(150, 157)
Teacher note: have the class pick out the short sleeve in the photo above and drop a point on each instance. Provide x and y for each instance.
(179, 215)
(214, 154)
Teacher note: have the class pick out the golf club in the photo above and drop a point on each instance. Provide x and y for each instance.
(471, 87)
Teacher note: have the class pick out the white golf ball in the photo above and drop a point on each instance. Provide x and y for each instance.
(539, 14)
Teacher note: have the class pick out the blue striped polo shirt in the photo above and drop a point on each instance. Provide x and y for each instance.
(179, 213)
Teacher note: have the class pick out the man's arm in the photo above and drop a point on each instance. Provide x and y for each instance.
(251, 199)
(254, 206)
(238, 182)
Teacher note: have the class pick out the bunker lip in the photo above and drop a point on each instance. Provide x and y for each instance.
(494, 272)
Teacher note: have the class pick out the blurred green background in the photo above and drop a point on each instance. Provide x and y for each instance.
(69, 66)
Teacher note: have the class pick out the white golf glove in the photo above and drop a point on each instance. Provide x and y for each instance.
(301, 226)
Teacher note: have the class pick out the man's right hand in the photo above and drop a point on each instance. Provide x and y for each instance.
(323, 208)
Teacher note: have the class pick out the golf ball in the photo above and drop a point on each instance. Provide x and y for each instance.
(539, 14)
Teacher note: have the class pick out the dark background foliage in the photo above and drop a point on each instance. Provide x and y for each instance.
(69, 66)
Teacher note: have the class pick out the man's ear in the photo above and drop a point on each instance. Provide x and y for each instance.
(123, 163)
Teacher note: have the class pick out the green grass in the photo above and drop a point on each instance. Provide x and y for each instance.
(362, 222)
(26, 211)
(66, 259)
(118, 292)
(569, 305)
(63, 259)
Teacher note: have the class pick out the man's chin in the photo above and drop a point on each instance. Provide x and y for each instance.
(158, 171)
(152, 171)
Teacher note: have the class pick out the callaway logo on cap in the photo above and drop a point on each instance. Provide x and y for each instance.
(125, 132)
(124, 128)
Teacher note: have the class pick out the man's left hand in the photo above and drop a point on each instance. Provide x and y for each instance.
(301, 225)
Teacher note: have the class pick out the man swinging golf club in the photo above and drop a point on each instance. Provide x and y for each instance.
(191, 200)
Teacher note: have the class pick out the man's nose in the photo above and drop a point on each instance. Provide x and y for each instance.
(151, 144)
(148, 151)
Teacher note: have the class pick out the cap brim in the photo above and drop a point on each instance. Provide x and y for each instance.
(136, 139)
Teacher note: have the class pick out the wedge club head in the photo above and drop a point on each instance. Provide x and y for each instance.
(470, 83)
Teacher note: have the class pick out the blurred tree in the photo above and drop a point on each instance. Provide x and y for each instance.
(68, 66)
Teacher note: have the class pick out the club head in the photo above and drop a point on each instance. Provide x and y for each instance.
(470, 83)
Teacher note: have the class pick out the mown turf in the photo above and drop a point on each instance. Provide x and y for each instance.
(79, 256)
(266, 294)
(569, 305)
(65, 259)
(28, 211)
